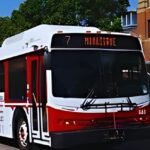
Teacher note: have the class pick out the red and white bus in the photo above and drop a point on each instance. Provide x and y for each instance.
(63, 86)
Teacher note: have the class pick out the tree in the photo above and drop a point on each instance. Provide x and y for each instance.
(6, 28)
(30, 14)
(104, 14)
(61, 12)
(69, 12)
(99, 13)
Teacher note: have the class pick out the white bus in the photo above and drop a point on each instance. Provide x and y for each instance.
(63, 86)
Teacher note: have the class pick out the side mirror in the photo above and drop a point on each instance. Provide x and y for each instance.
(47, 60)
(148, 76)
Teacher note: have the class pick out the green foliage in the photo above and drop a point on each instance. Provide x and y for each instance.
(61, 12)
(104, 14)
(116, 25)
(6, 28)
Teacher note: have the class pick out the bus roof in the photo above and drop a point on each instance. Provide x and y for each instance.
(39, 37)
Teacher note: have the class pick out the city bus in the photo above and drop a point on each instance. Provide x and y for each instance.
(64, 86)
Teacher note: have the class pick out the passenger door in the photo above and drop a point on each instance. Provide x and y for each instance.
(37, 96)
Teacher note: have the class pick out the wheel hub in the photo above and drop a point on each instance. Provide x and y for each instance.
(23, 134)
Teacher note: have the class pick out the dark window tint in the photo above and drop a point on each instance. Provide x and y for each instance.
(124, 20)
(17, 79)
(34, 71)
(34, 94)
(148, 67)
(108, 73)
(134, 18)
(1, 77)
(148, 28)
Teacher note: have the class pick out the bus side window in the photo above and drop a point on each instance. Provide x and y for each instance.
(1, 81)
(17, 79)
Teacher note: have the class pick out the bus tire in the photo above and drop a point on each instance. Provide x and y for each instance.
(23, 134)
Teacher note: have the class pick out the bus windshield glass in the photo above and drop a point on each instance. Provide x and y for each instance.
(109, 73)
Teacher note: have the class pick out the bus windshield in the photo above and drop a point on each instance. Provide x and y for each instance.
(109, 73)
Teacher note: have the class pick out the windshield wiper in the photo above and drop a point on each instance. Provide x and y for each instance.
(90, 104)
(130, 103)
(86, 103)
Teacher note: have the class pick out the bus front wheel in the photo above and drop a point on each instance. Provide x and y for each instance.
(23, 134)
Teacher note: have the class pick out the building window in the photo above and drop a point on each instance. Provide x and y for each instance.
(148, 28)
(124, 20)
(128, 19)
(17, 79)
(148, 3)
(1, 77)
(134, 18)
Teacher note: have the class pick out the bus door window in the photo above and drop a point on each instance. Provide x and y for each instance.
(34, 93)
(38, 91)
(42, 92)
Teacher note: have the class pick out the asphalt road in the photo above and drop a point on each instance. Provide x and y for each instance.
(126, 145)
(6, 147)
(143, 144)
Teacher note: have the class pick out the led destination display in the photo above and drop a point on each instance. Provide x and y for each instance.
(105, 41)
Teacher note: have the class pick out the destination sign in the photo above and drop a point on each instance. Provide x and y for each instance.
(105, 41)
(100, 41)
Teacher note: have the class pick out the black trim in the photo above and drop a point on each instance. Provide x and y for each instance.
(105, 41)
(84, 137)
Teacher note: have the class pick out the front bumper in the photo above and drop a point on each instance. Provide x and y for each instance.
(95, 136)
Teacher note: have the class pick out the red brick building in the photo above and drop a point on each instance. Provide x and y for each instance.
(143, 25)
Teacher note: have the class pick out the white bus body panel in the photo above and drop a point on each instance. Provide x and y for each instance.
(6, 119)
(6, 116)
(40, 36)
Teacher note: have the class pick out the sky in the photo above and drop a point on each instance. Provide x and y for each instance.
(133, 4)
(7, 6)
